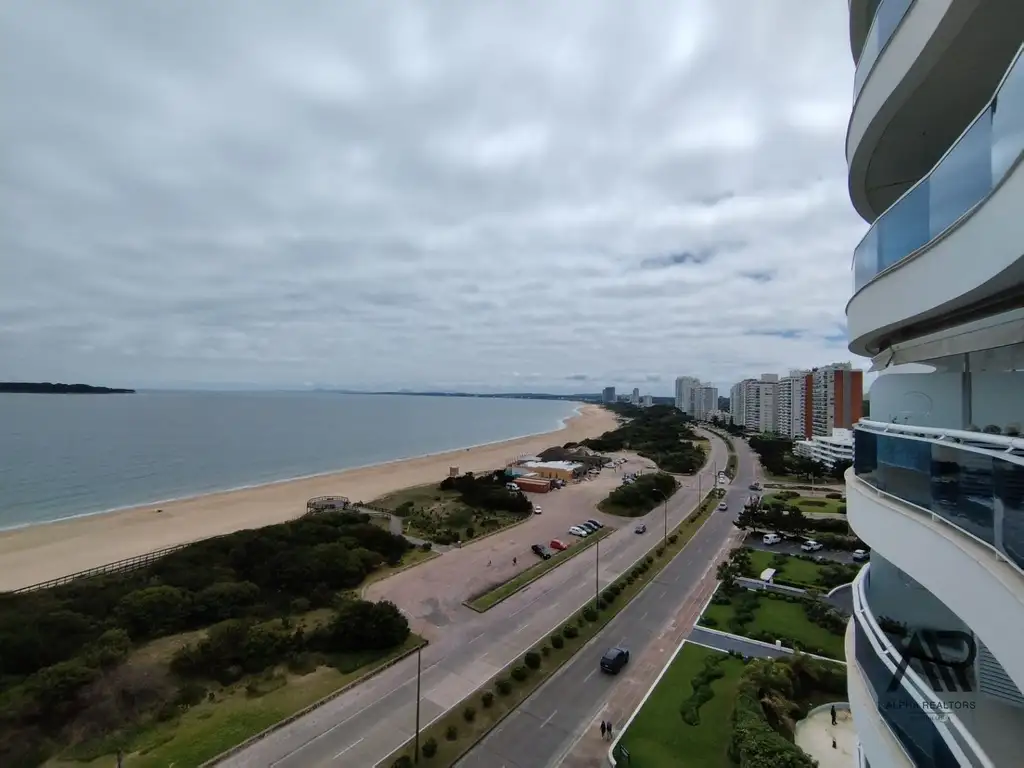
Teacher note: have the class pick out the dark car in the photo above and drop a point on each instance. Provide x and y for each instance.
(595, 523)
(541, 551)
(614, 660)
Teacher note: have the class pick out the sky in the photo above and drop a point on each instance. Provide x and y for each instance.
(528, 196)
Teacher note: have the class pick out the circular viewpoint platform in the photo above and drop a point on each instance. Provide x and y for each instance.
(815, 733)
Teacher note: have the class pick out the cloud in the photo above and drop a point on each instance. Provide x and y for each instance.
(417, 195)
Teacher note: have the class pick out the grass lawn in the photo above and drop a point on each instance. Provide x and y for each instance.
(796, 571)
(209, 728)
(659, 738)
(469, 733)
(427, 511)
(521, 580)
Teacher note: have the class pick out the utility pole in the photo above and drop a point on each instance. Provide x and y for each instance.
(666, 522)
(419, 670)
(597, 565)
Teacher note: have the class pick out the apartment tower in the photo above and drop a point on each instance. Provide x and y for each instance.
(935, 155)
(837, 396)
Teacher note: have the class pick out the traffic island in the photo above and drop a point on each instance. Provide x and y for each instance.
(455, 733)
(501, 592)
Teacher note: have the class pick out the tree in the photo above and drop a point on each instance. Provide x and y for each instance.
(839, 468)
(153, 611)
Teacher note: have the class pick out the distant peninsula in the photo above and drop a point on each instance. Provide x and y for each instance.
(46, 388)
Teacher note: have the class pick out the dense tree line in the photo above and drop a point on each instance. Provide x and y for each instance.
(778, 515)
(56, 644)
(776, 456)
(659, 433)
(641, 496)
(488, 492)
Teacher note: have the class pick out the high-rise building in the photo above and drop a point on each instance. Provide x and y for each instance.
(646, 401)
(935, 151)
(794, 405)
(705, 402)
(635, 397)
(755, 403)
(738, 402)
(837, 392)
(684, 393)
(608, 395)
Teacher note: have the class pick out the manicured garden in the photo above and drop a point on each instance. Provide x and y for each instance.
(832, 503)
(494, 595)
(800, 570)
(702, 683)
(455, 733)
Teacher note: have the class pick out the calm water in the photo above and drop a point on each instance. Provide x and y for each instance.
(68, 455)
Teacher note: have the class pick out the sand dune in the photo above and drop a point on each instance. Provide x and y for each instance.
(41, 552)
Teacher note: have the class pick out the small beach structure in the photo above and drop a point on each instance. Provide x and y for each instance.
(767, 576)
(327, 503)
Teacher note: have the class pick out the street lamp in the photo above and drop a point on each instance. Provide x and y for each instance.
(597, 578)
(419, 668)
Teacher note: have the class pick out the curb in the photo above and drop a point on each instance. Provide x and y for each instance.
(309, 708)
(579, 551)
(434, 555)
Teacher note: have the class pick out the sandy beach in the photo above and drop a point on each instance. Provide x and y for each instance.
(35, 554)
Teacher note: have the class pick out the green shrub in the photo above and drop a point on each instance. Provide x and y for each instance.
(519, 673)
(426, 546)
(504, 686)
(451, 732)
(469, 713)
(402, 761)
(709, 621)
(557, 641)
(630, 579)
(486, 699)
(659, 551)
(841, 509)
(673, 538)
(569, 632)
(590, 614)
(601, 605)
(635, 572)
(429, 747)
(649, 560)
(532, 660)
(835, 496)
(545, 650)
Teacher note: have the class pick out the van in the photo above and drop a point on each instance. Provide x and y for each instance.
(614, 660)
(511, 487)
(770, 538)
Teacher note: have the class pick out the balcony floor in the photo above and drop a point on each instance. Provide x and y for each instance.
(814, 736)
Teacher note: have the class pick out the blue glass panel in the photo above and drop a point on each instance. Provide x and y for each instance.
(962, 179)
(1008, 123)
(888, 16)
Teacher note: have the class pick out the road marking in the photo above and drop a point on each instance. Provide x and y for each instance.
(475, 639)
(644, 616)
(527, 624)
(590, 675)
(346, 749)
(555, 712)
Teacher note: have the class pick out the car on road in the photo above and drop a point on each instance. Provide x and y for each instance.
(640, 528)
(614, 660)
(541, 551)
(860, 555)
(558, 545)
(810, 546)
(723, 507)
(771, 538)
(577, 531)
(537, 510)
(755, 486)
(595, 522)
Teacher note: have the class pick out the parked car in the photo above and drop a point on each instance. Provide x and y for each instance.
(558, 545)
(771, 538)
(511, 487)
(723, 507)
(755, 486)
(860, 555)
(595, 522)
(589, 527)
(541, 551)
(581, 532)
(640, 528)
(537, 510)
(810, 546)
(614, 660)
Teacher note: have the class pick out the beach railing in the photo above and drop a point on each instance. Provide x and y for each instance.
(118, 566)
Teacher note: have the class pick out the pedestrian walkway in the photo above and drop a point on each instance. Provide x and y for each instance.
(590, 750)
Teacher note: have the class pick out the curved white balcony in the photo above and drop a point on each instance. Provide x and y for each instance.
(955, 238)
(862, 14)
(929, 733)
(947, 508)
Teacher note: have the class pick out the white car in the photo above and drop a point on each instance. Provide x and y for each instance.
(810, 546)
(723, 507)
(537, 510)
(577, 531)
(771, 538)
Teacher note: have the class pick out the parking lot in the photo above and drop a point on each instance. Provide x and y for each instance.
(431, 594)
(754, 541)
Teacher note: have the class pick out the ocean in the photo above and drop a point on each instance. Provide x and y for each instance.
(70, 455)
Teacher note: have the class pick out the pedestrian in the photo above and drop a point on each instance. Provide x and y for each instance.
(609, 730)
(514, 560)
(603, 729)
(488, 563)
(833, 711)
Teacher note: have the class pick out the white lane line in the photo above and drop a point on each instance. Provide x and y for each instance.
(644, 616)
(346, 749)
(553, 713)
(525, 626)
(475, 639)
(590, 675)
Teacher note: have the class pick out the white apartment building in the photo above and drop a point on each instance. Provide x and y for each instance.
(753, 403)
(646, 401)
(738, 402)
(705, 402)
(685, 385)
(827, 450)
(935, 154)
(635, 397)
(793, 403)
(837, 392)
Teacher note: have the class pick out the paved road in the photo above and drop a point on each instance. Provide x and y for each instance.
(734, 643)
(544, 728)
(364, 725)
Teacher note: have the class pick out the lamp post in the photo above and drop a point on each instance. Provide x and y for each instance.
(597, 578)
(419, 669)
(664, 499)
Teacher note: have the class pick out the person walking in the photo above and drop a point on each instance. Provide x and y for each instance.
(514, 561)
(833, 712)
(603, 729)
(609, 730)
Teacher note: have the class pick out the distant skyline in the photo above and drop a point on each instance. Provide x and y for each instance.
(445, 195)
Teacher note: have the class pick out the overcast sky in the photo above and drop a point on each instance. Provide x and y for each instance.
(512, 195)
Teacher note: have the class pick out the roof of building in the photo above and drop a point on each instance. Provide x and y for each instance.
(569, 466)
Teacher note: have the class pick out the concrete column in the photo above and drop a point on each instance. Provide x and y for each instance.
(966, 396)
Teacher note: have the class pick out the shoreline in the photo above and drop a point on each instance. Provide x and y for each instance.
(563, 424)
(36, 552)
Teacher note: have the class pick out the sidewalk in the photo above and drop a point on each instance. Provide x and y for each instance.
(590, 751)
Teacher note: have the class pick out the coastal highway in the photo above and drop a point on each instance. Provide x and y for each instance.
(545, 727)
(364, 725)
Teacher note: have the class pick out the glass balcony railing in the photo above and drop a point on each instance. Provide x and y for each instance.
(916, 716)
(972, 168)
(971, 480)
(888, 16)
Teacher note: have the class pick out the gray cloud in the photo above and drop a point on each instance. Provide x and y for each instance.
(405, 194)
